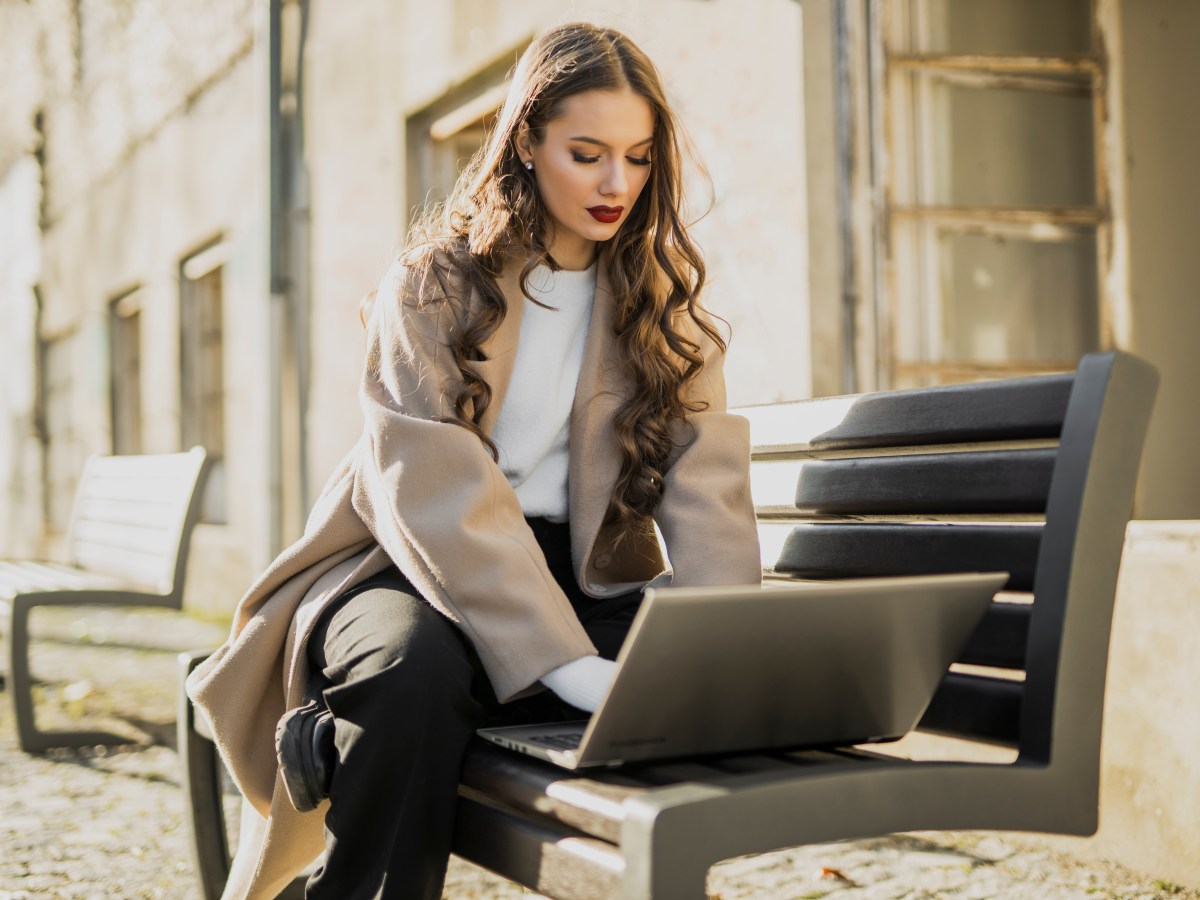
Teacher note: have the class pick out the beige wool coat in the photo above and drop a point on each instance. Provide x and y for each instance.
(426, 494)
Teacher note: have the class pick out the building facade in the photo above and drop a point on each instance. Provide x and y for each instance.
(195, 196)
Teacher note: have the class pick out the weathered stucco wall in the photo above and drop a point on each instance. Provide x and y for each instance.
(150, 147)
(20, 267)
(1150, 784)
(1150, 789)
(1162, 139)
(20, 448)
(354, 145)
(199, 177)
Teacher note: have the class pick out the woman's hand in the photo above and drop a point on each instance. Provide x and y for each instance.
(582, 682)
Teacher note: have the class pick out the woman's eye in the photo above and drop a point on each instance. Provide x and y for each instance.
(580, 158)
(639, 160)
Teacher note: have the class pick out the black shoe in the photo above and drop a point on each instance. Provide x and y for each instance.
(304, 745)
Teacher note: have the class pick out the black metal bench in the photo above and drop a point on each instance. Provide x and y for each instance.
(127, 545)
(1033, 476)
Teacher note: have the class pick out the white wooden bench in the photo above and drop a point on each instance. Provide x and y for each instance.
(126, 545)
(1033, 476)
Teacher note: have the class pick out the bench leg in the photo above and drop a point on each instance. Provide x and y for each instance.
(19, 684)
(680, 878)
(204, 809)
(664, 860)
(205, 813)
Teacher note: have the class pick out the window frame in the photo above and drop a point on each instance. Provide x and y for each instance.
(435, 127)
(197, 362)
(126, 424)
(876, 63)
(62, 439)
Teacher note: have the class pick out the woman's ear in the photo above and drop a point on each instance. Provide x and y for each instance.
(523, 144)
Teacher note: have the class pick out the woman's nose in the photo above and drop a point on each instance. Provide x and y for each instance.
(615, 182)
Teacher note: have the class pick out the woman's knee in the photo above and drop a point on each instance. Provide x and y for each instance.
(387, 635)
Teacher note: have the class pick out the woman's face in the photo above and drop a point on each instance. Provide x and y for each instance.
(590, 169)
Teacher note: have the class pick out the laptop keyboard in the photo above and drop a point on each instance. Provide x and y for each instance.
(567, 741)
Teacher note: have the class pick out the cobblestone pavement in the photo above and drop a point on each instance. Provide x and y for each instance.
(110, 824)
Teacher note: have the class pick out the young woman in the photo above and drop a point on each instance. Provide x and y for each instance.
(541, 389)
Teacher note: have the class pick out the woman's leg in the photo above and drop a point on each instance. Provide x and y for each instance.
(404, 692)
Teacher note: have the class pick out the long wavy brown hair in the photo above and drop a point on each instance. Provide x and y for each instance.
(656, 272)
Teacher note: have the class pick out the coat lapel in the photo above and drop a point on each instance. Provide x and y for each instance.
(500, 349)
(594, 458)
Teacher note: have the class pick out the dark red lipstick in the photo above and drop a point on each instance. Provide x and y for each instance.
(606, 214)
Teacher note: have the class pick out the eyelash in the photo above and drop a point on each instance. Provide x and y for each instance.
(636, 160)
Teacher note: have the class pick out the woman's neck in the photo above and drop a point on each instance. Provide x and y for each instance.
(574, 255)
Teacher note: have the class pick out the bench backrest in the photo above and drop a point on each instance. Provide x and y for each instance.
(1033, 476)
(133, 517)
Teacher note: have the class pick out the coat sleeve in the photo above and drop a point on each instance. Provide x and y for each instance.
(706, 514)
(434, 499)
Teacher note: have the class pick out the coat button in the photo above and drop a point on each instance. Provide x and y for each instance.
(602, 561)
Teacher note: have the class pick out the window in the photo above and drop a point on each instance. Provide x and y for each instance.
(64, 450)
(202, 367)
(125, 338)
(442, 136)
(995, 211)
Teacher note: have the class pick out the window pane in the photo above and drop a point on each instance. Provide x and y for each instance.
(996, 26)
(64, 455)
(125, 360)
(1005, 299)
(202, 362)
(993, 147)
(202, 379)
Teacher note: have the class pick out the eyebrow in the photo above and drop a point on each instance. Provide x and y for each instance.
(598, 143)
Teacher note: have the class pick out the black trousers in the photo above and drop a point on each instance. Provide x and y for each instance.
(407, 692)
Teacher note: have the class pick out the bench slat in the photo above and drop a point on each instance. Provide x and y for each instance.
(851, 550)
(123, 511)
(147, 490)
(976, 707)
(989, 482)
(179, 467)
(25, 577)
(775, 484)
(1001, 638)
(713, 770)
(751, 764)
(145, 542)
(591, 806)
(150, 571)
(539, 854)
(1015, 409)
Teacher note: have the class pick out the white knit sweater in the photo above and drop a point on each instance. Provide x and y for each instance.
(533, 423)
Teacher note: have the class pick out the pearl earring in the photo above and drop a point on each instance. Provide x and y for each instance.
(529, 165)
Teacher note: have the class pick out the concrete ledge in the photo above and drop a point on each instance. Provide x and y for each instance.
(1150, 784)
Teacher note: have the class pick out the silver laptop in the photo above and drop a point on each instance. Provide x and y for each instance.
(787, 665)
